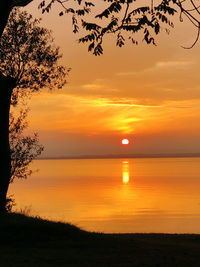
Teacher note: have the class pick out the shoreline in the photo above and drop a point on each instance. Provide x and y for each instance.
(28, 241)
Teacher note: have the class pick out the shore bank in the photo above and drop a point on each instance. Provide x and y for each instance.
(28, 241)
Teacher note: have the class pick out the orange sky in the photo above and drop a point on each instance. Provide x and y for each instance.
(150, 94)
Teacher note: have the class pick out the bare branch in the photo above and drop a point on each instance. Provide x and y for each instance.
(196, 40)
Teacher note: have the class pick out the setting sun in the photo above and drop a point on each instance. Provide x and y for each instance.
(125, 141)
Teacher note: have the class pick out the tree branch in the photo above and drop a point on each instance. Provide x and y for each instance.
(21, 3)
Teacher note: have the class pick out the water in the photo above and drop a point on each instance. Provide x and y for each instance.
(116, 195)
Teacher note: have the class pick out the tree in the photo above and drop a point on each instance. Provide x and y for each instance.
(124, 18)
(28, 62)
(23, 148)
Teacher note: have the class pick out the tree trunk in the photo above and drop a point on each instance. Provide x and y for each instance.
(5, 8)
(6, 88)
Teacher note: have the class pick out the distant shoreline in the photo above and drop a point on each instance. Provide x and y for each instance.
(119, 156)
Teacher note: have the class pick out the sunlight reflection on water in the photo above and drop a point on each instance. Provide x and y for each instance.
(116, 195)
(125, 172)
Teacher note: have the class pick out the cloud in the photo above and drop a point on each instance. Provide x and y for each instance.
(92, 86)
(128, 73)
(164, 64)
(158, 66)
(129, 103)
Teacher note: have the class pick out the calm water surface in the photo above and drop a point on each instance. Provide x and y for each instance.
(116, 195)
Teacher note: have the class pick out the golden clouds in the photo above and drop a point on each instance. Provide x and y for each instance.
(99, 116)
(142, 91)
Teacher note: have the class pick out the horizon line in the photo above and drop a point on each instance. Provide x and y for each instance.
(117, 156)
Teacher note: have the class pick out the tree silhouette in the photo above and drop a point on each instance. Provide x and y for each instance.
(29, 61)
(24, 148)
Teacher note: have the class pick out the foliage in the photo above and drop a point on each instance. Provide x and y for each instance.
(24, 149)
(125, 18)
(28, 55)
(10, 203)
(29, 61)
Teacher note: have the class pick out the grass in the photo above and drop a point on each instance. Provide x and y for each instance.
(28, 241)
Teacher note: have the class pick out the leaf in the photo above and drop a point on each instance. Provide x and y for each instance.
(91, 47)
(98, 50)
(157, 28)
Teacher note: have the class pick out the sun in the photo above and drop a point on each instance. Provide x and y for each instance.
(125, 141)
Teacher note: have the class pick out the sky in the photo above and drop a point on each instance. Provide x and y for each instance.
(148, 94)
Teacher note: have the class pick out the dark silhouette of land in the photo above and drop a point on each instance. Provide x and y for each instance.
(26, 241)
(118, 156)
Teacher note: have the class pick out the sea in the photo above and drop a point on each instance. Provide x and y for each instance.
(121, 195)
